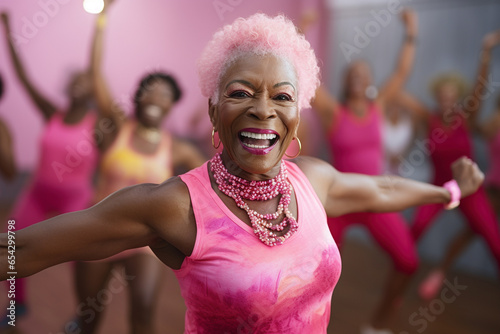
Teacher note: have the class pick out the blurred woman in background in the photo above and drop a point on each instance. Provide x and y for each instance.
(354, 133)
(399, 131)
(449, 136)
(135, 150)
(62, 180)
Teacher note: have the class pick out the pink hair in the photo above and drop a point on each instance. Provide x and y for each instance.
(259, 34)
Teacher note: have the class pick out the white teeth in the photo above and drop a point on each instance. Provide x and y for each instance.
(256, 146)
(152, 110)
(253, 135)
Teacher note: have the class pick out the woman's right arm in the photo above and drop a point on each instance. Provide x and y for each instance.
(144, 215)
(105, 104)
(46, 107)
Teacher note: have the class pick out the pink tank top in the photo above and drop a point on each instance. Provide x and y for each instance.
(122, 166)
(493, 176)
(446, 144)
(68, 153)
(356, 143)
(233, 283)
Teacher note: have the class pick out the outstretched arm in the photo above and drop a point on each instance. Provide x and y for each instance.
(105, 104)
(481, 85)
(8, 167)
(143, 215)
(46, 107)
(405, 61)
(343, 193)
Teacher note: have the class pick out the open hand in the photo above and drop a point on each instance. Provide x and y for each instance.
(467, 175)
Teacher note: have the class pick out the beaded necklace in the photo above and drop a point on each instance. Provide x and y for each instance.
(239, 189)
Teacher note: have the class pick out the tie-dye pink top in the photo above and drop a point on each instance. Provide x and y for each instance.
(233, 283)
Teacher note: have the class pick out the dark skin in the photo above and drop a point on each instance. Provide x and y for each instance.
(161, 216)
(8, 168)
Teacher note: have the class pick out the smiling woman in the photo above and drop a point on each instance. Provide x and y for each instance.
(245, 233)
(257, 114)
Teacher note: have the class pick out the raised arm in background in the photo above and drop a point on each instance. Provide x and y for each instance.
(405, 61)
(46, 107)
(327, 106)
(480, 89)
(105, 103)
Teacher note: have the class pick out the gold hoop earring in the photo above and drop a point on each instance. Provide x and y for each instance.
(298, 153)
(213, 139)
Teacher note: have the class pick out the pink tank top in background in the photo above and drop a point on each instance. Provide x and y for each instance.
(68, 152)
(447, 143)
(356, 143)
(233, 283)
(493, 175)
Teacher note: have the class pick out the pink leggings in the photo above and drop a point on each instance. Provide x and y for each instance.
(41, 201)
(479, 214)
(388, 229)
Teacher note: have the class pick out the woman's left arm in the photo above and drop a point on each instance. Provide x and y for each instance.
(343, 193)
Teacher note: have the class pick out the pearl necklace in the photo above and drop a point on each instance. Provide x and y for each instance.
(239, 189)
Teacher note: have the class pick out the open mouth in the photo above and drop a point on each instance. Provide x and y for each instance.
(152, 111)
(258, 141)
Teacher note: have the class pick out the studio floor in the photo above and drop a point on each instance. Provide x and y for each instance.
(476, 308)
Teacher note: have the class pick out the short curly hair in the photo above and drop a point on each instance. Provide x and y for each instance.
(453, 78)
(150, 79)
(259, 34)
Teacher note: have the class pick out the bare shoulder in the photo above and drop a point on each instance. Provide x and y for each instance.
(164, 209)
(320, 174)
(168, 198)
(310, 166)
(169, 212)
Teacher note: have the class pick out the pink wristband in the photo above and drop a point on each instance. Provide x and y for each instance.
(455, 194)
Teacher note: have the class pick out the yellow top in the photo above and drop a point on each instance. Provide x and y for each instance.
(122, 166)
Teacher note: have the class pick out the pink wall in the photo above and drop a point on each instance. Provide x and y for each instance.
(141, 36)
